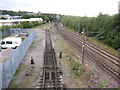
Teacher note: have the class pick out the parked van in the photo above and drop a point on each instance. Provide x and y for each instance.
(10, 42)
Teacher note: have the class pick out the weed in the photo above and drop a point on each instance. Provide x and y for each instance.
(76, 67)
(19, 69)
(4, 60)
(102, 84)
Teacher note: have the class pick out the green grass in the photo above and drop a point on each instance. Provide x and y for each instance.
(20, 68)
(32, 46)
(43, 26)
(104, 47)
(4, 37)
(76, 66)
(3, 60)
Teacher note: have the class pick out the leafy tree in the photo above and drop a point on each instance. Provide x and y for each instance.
(108, 25)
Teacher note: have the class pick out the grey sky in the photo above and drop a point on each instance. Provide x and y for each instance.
(69, 7)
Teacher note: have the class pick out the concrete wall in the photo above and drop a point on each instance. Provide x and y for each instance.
(10, 66)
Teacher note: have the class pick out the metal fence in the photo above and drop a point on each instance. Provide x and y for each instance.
(11, 31)
(9, 67)
(4, 33)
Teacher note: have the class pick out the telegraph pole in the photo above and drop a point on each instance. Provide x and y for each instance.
(83, 42)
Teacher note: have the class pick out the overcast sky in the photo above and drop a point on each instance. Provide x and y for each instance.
(68, 7)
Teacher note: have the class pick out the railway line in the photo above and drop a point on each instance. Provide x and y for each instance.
(101, 52)
(104, 60)
(51, 72)
(112, 59)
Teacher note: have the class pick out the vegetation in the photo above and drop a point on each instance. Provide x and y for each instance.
(12, 13)
(103, 27)
(23, 25)
(46, 16)
(3, 18)
(76, 66)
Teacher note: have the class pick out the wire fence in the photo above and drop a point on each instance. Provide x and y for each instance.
(9, 67)
(12, 31)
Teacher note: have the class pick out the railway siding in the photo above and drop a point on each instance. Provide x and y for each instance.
(51, 76)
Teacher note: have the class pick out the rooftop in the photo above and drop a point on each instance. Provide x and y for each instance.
(21, 20)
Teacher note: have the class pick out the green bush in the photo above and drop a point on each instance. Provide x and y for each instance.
(23, 25)
(76, 67)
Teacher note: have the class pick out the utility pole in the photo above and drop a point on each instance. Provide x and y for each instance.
(78, 28)
(83, 42)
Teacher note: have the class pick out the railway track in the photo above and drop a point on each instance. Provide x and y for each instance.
(51, 73)
(112, 59)
(104, 60)
(99, 51)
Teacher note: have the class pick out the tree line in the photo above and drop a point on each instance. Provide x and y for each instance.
(12, 13)
(25, 24)
(45, 16)
(104, 28)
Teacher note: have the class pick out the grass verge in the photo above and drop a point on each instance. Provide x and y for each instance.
(20, 68)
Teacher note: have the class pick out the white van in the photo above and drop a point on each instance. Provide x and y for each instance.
(11, 42)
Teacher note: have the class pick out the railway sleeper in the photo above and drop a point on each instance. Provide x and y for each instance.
(52, 85)
(52, 69)
(49, 67)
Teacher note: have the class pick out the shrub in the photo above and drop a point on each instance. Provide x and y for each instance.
(76, 66)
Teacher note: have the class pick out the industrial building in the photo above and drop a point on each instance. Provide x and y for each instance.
(8, 17)
(13, 22)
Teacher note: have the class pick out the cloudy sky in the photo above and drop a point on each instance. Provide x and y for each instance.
(68, 7)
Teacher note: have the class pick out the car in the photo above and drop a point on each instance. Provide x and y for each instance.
(24, 34)
(10, 42)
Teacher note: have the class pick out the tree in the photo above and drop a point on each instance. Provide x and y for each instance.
(109, 25)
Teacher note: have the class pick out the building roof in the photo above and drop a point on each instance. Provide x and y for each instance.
(5, 15)
(21, 20)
